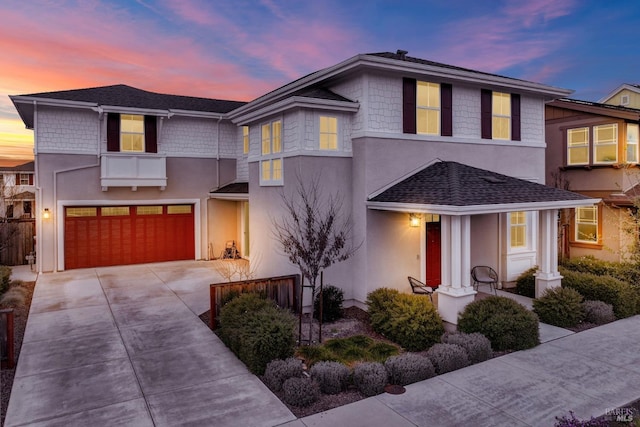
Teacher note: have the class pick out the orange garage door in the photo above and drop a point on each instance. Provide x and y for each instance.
(117, 235)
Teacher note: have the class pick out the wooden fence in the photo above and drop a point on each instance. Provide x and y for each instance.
(283, 290)
(17, 241)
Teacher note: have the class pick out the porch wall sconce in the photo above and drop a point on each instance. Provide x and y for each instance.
(46, 214)
(414, 220)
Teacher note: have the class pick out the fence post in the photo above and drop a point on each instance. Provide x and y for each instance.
(6, 339)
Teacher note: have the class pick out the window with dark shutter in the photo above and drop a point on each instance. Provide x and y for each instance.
(485, 114)
(150, 134)
(113, 132)
(408, 105)
(515, 117)
(446, 110)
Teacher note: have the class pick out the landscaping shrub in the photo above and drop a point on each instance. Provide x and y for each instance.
(526, 283)
(332, 377)
(624, 271)
(316, 353)
(477, 345)
(278, 371)
(332, 299)
(507, 324)
(409, 320)
(378, 307)
(300, 391)
(572, 421)
(5, 278)
(257, 331)
(16, 296)
(624, 298)
(370, 378)
(560, 307)
(349, 350)
(381, 351)
(448, 357)
(598, 312)
(409, 368)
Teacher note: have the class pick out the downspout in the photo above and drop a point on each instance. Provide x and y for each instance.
(218, 154)
(55, 188)
(38, 191)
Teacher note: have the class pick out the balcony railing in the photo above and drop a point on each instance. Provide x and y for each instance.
(139, 170)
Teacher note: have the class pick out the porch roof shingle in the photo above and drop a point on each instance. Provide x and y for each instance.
(448, 183)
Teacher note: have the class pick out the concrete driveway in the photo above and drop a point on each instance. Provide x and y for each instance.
(124, 346)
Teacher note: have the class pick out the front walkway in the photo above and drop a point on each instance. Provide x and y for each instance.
(124, 346)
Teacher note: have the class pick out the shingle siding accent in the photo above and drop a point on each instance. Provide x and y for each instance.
(384, 104)
(66, 130)
(466, 112)
(353, 89)
(185, 136)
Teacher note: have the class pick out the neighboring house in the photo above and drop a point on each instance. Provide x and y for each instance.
(625, 95)
(17, 190)
(592, 148)
(459, 152)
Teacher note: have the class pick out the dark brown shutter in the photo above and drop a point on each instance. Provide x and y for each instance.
(150, 134)
(515, 117)
(486, 114)
(113, 132)
(30, 179)
(446, 110)
(408, 105)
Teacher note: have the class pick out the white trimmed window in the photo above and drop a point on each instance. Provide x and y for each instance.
(518, 224)
(427, 108)
(578, 146)
(328, 133)
(271, 165)
(501, 115)
(586, 229)
(632, 143)
(132, 133)
(605, 144)
(271, 172)
(245, 139)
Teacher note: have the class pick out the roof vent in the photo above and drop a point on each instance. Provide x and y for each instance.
(402, 53)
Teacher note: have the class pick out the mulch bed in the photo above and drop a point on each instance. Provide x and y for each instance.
(20, 315)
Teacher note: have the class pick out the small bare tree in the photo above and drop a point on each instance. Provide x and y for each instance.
(314, 233)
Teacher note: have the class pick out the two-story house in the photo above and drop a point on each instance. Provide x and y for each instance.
(593, 150)
(18, 196)
(625, 95)
(440, 168)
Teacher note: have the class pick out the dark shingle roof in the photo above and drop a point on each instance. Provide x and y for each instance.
(127, 96)
(455, 184)
(234, 188)
(599, 105)
(24, 167)
(320, 93)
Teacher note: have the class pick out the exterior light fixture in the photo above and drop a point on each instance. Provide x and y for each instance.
(46, 214)
(414, 220)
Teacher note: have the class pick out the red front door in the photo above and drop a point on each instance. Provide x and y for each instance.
(433, 257)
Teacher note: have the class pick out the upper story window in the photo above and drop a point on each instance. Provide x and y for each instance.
(578, 146)
(26, 179)
(632, 143)
(427, 108)
(586, 224)
(272, 137)
(328, 133)
(500, 115)
(245, 139)
(271, 165)
(518, 224)
(598, 145)
(131, 133)
(605, 143)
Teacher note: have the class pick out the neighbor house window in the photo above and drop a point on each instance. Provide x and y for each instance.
(328, 133)
(605, 143)
(500, 115)
(586, 224)
(245, 139)
(578, 146)
(427, 107)
(518, 224)
(632, 143)
(132, 133)
(26, 179)
(271, 165)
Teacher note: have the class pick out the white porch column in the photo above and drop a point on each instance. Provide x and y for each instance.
(455, 292)
(547, 276)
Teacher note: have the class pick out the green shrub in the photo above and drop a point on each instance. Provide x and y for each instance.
(526, 283)
(16, 296)
(316, 353)
(370, 378)
(278, 371)
(332, 299)
(477, 345)
(332, 377)
(507, 324)
(257, 331)
(448, 357)
(624, 298)
(355, 348)
(300, 391)
(5, 278)
(378, 306)
(598, 312)
(409, 368)
(560, 307)
(381, 351)
(624, 271)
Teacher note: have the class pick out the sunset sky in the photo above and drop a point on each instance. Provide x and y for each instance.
(240, 49)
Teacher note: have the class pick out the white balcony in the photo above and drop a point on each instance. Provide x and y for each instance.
(138, 170)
